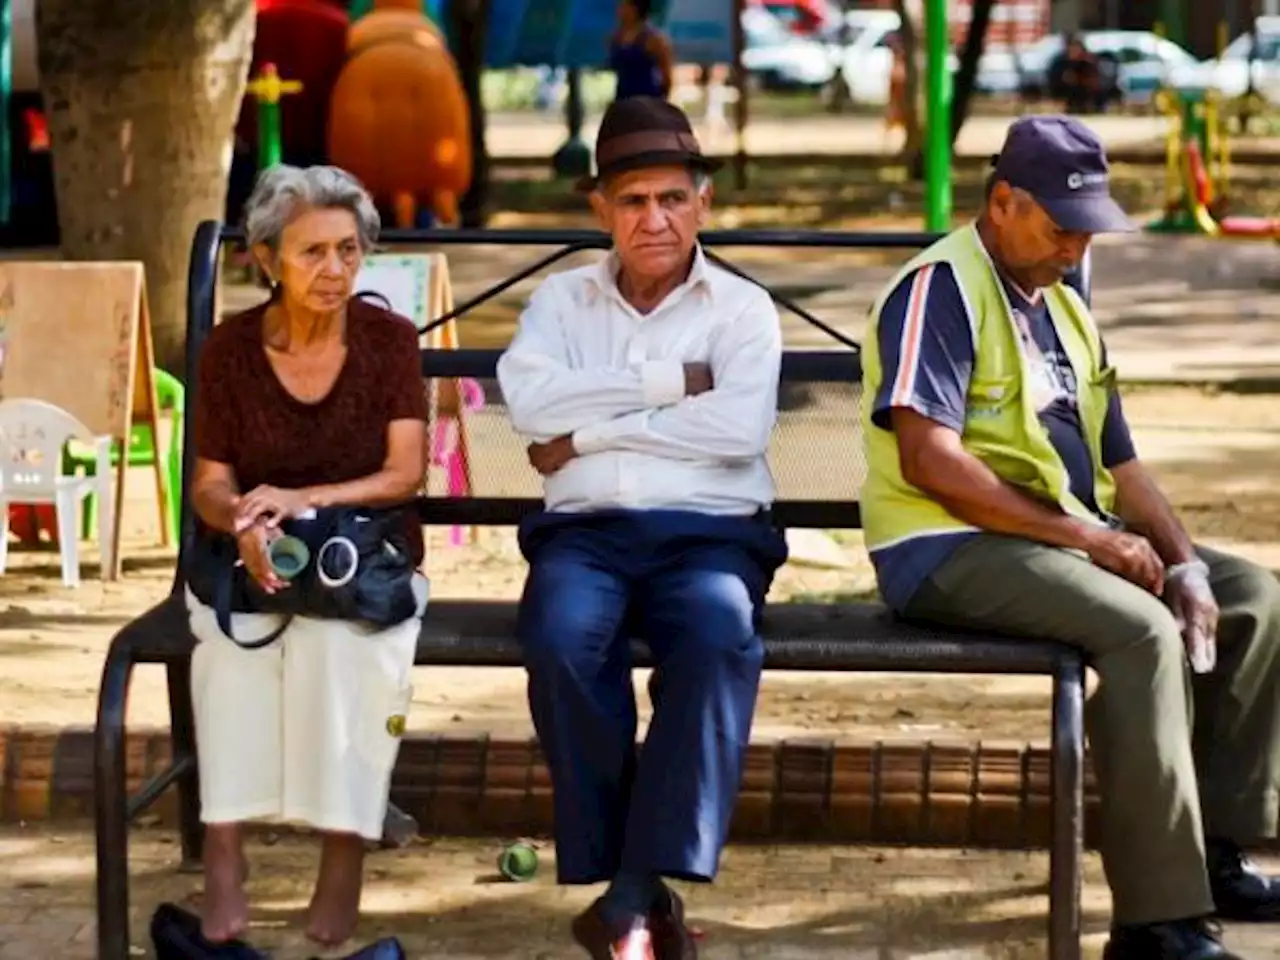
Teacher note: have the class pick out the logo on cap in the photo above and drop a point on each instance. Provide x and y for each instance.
(1076, 179)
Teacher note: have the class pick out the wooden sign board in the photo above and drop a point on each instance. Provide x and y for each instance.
(417, 286)
(408, 282)
(78, 335)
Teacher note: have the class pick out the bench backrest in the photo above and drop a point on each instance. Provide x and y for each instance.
(816, 454)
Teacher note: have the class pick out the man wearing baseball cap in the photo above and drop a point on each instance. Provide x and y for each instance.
(1004, 494)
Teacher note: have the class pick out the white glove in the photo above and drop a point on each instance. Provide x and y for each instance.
(1187, 591)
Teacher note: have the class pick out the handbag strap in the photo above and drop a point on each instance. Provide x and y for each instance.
(222, 610)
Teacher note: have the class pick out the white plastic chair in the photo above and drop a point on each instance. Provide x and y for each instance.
(32, 436)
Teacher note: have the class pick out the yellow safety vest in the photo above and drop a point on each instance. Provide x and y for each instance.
(1001, 425)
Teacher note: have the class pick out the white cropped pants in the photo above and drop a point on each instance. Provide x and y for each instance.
(304, 730)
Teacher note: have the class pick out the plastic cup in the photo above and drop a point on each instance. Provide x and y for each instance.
(289, 556)
(518, 862)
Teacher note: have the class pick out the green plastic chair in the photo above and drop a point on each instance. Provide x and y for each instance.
(170, 396)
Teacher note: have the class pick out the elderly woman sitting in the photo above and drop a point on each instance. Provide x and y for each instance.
(312, 400)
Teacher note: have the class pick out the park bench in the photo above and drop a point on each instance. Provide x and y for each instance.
(818, 402)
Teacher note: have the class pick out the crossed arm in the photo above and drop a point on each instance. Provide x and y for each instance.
(655, 407)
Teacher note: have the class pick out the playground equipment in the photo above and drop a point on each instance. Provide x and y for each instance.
(306, 41)
(1197, 168)
(937, 154)
(399, 119)
(1199, 188)
(268, 89)
(392, 23)
(430, 8)
(1189, 117)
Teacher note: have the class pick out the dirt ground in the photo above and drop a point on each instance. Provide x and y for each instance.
(441, 898)
(1216, 453)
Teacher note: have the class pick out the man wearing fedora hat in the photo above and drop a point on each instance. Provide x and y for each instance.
(647, 386)
(1004, 494)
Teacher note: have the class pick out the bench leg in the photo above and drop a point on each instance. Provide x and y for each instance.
(183, 736)
(1065, 853)
(111, 817)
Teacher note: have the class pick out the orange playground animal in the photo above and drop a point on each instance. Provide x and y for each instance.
(388, 22)
(399, 119)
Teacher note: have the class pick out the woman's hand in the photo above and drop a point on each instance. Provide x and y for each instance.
(253, 544)
(269, 505)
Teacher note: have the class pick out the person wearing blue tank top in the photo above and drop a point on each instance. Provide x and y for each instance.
(640, 54)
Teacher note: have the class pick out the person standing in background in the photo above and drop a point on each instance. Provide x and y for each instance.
(895, 110)
(640, 54)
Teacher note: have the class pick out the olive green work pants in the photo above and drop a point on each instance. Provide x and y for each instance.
(1178, 757)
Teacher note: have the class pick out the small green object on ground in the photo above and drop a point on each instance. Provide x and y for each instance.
(518, 862)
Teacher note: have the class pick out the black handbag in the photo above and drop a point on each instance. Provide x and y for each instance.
(346, 563)
(175, 932)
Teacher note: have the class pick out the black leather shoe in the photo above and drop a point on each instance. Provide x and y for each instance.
(672, 940)
(1195, 939)
(1240, 890)
(604, 939)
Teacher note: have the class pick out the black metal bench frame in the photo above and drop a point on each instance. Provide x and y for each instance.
(803, 637)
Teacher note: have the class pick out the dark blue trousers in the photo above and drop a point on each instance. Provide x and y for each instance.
(692, 586)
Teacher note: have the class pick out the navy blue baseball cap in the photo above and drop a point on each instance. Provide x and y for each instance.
(1061, 163)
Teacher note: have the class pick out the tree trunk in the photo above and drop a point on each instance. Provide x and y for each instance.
(911, 55)
(142, 98)
(469, 30)
(975, 42)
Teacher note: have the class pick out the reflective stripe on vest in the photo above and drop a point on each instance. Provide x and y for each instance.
(1001, 426)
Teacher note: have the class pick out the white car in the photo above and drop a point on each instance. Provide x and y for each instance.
(777, 59)
(1142, 62)
(857, 22)
(867, 63)
(1230, 73)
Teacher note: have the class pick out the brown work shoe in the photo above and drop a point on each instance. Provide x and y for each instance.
(672, 940)
(605, 941)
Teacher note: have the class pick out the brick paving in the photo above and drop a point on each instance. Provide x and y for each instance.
(442, 898)
(805, 790)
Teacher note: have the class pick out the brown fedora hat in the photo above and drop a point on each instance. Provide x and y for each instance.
(642, 132)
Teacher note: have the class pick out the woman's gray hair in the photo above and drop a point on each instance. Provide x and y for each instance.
(282, 192)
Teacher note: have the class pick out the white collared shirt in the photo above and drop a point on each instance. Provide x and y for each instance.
(584, 362)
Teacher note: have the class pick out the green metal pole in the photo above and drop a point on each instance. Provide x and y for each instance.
(270, 151)
(1175, 21)
(937, 153)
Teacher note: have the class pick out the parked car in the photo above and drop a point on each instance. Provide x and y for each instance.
(867, 62)
(807, 18)
(777, 59)
(844, 31)
(1230, 73)
(1136, 63)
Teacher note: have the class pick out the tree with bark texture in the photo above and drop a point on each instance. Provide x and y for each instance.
(975, 43)
(470, 28)
(142, 98)
(909, 41)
